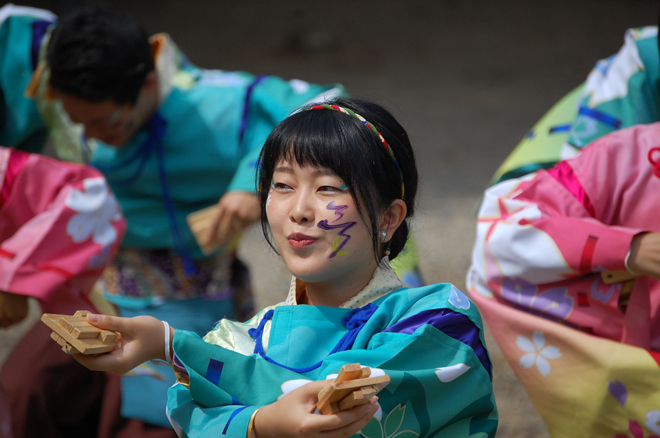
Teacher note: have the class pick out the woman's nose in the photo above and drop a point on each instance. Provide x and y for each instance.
(302, 210)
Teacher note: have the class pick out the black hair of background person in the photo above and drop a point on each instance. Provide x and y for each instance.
(99, 54)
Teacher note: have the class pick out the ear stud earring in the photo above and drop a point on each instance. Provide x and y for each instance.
(382, 236)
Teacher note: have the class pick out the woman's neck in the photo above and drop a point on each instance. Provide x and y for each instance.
(336, 292)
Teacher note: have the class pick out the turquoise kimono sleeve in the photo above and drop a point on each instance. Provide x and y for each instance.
(20, 38)
(440, 379)
(213, 421)
(209, 408)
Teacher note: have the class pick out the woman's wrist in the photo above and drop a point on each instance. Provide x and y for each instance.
(251, 431)
(168, 343)
(634, 260)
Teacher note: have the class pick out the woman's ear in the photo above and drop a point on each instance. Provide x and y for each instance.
(392, 218)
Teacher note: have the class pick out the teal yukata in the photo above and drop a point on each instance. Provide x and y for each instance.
(429, 340)
(22, 30)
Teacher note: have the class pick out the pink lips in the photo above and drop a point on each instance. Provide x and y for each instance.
(298, 240)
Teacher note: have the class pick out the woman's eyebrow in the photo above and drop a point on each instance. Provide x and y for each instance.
(323, 171)
(284, 169)
(319, 171)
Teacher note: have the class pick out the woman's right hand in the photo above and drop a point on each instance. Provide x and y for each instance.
(142, 339)
(645, 254)
(293, 416)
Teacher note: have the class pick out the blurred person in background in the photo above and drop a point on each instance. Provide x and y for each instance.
(60, 225)
(565, 263)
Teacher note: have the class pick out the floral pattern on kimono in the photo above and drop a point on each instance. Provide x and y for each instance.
(59, 227)
(542, 242)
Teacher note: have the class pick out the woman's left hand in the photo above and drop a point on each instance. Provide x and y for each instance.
(293, 416)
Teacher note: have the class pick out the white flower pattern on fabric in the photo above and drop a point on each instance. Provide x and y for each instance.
(97, 208)
(653, 421)
(537, 352)
(452, 372)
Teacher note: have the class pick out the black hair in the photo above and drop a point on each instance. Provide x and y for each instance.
(98, 54)
(343, 144)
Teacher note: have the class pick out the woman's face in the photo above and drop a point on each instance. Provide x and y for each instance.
(316, 226)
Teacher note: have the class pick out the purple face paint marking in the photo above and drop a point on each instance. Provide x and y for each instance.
(344, 227)
(324, 225)
(338, 209)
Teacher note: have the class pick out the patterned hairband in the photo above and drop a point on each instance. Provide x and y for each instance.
(372, 128)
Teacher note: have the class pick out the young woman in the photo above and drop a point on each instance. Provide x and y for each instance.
(338, 182)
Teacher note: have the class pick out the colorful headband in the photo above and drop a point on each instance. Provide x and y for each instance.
(371, 127)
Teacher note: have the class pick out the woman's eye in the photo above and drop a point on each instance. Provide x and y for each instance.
(327, 189)
(280, 186)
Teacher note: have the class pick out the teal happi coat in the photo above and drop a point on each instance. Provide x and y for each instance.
(22, 31)
(429, 340)
(203, 141)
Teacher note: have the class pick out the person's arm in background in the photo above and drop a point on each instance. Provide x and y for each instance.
(559, 224)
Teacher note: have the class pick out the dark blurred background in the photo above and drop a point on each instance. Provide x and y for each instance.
(467, 79)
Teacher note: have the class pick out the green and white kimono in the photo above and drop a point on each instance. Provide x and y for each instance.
(429, 340)
(620, 91)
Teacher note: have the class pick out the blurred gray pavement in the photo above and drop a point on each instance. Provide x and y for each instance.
(467, 79)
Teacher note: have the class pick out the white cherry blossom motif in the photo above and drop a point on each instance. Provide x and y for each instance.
(653, 421)
(97, 209)
(452, 372)
(537, 353)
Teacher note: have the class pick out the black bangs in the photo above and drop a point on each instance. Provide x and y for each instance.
(320, 138)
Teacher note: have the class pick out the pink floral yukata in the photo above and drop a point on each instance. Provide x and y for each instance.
(59, 227)
(587, 355)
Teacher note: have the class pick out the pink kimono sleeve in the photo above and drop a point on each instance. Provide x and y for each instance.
(577, 218)
(60, 225)
(539, 237)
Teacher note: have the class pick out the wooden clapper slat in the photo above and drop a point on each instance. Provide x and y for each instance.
(77, 336)
(352, 387)
(200, 224)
